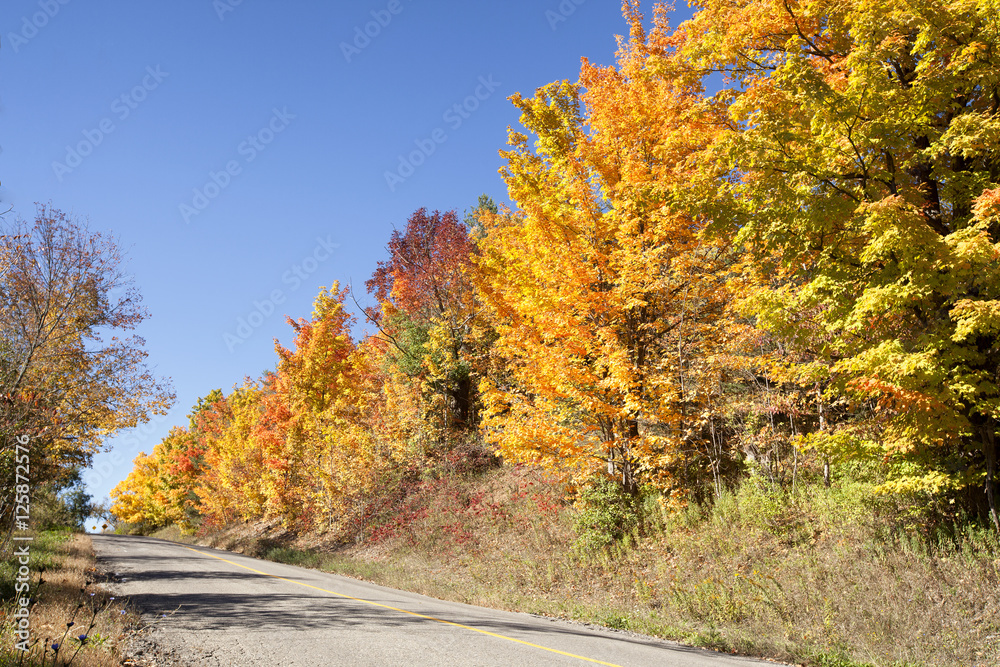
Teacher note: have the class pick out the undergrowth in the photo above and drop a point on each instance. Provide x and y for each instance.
(71, 619)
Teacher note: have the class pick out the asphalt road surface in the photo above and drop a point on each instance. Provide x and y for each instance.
(213, 607)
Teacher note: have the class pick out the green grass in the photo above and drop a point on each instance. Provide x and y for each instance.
(45, 555)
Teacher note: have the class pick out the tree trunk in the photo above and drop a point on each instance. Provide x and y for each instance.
(462, 400)
(988, 437)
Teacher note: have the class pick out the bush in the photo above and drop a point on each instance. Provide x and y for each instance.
(606, 514)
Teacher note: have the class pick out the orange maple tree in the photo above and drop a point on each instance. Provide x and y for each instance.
(606, 296)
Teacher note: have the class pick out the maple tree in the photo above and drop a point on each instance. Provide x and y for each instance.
(607, 299)
(301, 444)
(239, 456)
(863, 156)
(178, 481)
(266, 443)
(427, 312)
(309, 379)
(368, 439)
(160, 490)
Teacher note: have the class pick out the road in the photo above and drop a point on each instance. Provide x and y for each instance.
(214, 607)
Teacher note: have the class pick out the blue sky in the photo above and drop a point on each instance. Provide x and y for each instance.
(239, 150)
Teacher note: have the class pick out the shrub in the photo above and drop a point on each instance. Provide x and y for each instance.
(606, 514)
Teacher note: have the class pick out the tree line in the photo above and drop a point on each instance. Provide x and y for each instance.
(792, 274)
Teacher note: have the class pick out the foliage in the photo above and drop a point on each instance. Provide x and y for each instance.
(864, 190)
(160, 489)
(787, 281)
(608, 300)
(606, 514)
(816, 241)
(68, 378)
(428, 315)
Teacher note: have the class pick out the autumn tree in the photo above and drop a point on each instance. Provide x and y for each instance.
(242, 453)
(313, 443)
(607, 298)
(68, 379)
(366, 446)
(428, 310)
(169, 485)
(161, 488)
(863, 163)
(309, 379)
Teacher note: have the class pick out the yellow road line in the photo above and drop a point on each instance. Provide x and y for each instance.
(411, 613)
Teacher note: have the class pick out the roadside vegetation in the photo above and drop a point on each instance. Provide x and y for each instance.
(73, 620)
(71, 375)
(821, 576)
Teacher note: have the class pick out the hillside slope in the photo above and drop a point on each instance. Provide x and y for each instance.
(817, 578)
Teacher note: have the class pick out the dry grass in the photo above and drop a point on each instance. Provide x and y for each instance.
(816, 579)
(67, 603)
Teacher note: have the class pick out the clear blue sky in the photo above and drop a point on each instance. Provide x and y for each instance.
(119, 112)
